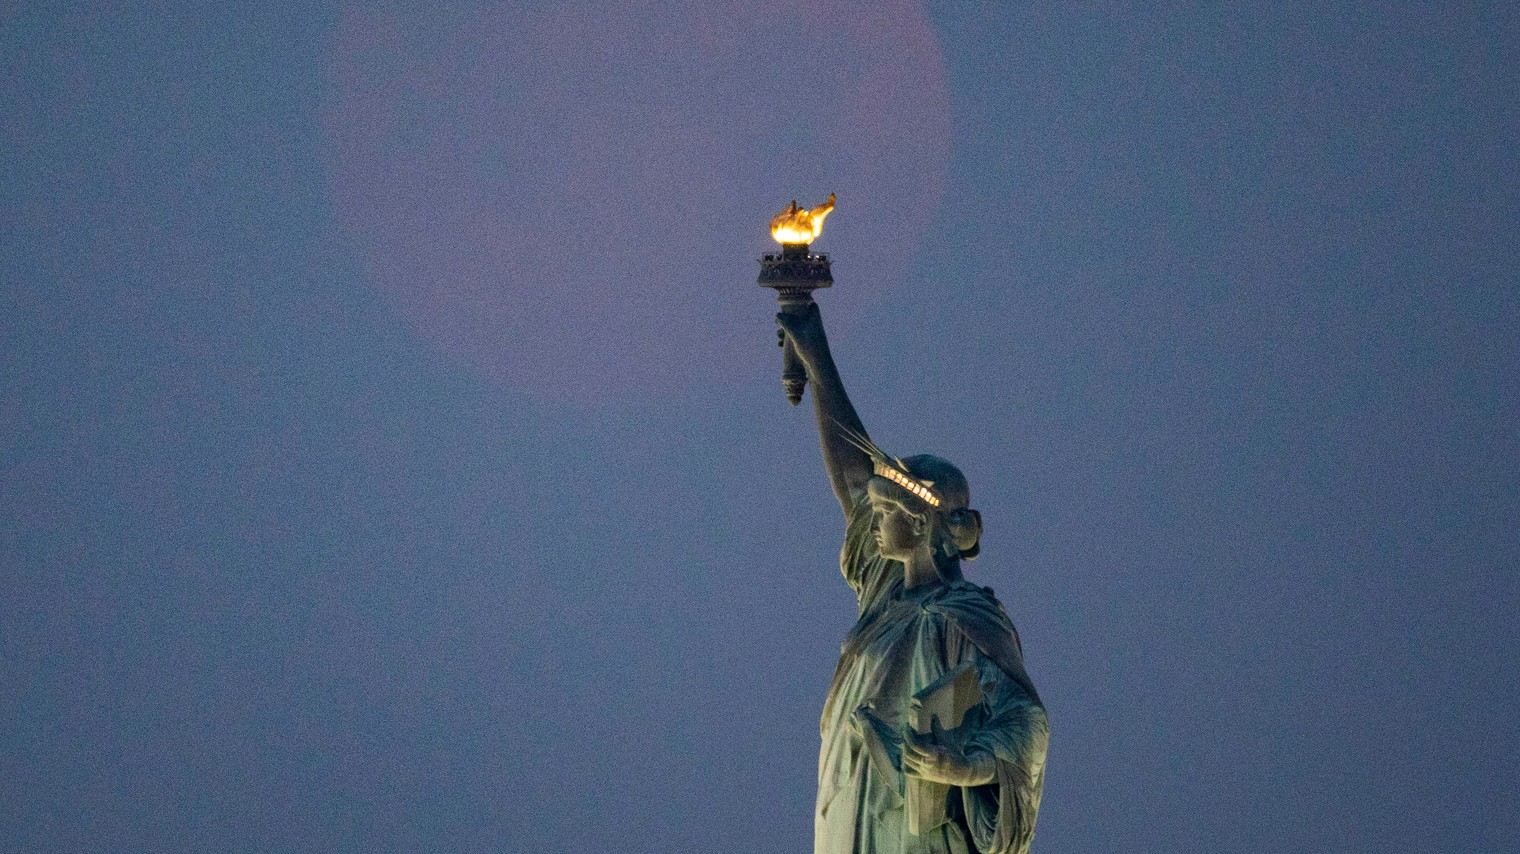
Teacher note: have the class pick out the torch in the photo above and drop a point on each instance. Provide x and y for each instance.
(795, 273)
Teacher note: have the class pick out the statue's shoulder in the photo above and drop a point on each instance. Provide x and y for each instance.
(979, 616)
(973, 604)
(968, 593)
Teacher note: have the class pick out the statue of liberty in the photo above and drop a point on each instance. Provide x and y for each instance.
(933, 737)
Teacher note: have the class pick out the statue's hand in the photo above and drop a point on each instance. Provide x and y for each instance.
(804, 327)
(932, 757)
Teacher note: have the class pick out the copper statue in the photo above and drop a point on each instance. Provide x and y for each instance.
(933, 736)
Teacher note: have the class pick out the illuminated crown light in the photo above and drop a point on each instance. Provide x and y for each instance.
(907, 483)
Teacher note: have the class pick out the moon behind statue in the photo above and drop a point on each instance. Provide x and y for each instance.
(554, 195)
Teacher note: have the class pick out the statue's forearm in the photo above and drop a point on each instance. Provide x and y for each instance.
(848, 467)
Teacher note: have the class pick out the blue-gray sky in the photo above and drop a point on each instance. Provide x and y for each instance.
(392, 456)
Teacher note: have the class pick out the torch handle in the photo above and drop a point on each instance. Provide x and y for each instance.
(793, 372)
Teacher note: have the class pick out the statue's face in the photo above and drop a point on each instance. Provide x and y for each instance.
(898, 532)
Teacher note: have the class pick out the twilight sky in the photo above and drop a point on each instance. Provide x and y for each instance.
(393, 458)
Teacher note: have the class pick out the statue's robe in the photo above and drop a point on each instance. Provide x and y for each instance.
(903, 641)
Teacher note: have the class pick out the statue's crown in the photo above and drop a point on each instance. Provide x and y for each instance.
(891, 468)
(906, 481)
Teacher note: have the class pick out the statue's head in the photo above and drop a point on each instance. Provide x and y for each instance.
(924, 500)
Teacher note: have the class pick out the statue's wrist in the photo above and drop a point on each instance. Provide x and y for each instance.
(816, 357)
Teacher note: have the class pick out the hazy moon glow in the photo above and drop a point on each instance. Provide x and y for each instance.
(555, 195)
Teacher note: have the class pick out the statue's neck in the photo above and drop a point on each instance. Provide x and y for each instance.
(919, 569)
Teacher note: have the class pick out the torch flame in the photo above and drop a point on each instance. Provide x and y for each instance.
(796, 225)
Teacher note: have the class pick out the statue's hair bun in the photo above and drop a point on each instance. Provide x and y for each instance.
(965, 527)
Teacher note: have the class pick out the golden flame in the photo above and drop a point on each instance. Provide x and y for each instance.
(796, 225)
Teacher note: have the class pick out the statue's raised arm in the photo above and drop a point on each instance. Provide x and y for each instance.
(847, 465)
